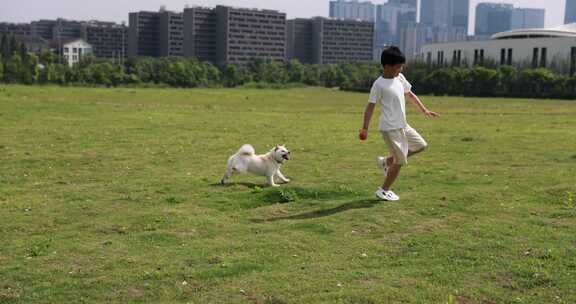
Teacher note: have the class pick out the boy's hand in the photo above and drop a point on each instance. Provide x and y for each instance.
(363, 134)
(431, 114)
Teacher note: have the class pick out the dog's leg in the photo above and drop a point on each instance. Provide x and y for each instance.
(227, 175)
(282, 177)
(271, 182)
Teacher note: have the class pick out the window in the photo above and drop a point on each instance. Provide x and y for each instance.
(476, 55)
(459, 57)
(481, 56)
(535, 58)
(509, 59)
(429, 58)
(502, 56)
(440, 58)
(543, 54)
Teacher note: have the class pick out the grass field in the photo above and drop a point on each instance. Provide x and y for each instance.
(111, 195)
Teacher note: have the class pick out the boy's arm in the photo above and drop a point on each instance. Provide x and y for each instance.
(363, 134)
(418, 103)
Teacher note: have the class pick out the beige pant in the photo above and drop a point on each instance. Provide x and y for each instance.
(402, 141)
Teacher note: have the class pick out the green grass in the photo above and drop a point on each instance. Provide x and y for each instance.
(112, 195)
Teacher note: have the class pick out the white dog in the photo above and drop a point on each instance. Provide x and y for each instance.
(246, 160)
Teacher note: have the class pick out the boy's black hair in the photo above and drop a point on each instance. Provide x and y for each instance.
(392, 55)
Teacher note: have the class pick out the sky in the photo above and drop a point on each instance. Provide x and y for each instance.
(117, 10)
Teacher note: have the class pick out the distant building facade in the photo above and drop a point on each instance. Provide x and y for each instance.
(391, 17)
(570, 12)
(493, 18)
(352, 9)
(525, 18)
(445, 13)
(300, 40)
(71, 51)
(246, 34)
(108, 40)
(200, 33)
(546, 47)
(15, 29)
(171, 34)
(330, 41)
(155, 34)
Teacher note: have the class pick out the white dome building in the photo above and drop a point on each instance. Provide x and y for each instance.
(553, 48)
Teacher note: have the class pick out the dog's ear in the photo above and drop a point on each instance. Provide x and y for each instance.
(276, 148)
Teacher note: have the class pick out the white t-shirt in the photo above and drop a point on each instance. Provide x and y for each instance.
(389, 93)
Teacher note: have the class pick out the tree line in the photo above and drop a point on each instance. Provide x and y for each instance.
(23, 67)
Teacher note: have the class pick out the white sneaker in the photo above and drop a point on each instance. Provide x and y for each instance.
(381, 161)
(386, 195)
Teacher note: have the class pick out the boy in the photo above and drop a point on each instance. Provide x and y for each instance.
(389, 90)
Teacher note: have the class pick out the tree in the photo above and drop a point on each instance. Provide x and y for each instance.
(231, 76)
(332, 75)
(47, 57)
(145, 69)
(507, 78)
(30, 72)
(441, 81)
(5, 45)
(13, 70)
(213, 74)
(460, 78)
(255, 68)
(296, 71)
(535, 82)
(483, 81)
(1, 68)
(273, 72)
(13, 45)
(61, 72)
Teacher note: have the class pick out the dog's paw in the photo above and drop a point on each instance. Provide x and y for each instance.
(274, 185)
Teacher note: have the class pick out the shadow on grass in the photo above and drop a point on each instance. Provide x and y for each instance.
(243, 184)
(360, 204)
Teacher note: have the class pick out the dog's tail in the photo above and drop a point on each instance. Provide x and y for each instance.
(246, 150)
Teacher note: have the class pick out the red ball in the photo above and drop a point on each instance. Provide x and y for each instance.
(363, 135)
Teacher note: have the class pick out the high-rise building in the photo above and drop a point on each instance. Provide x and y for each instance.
(460, 14)
(200, 33)
(570, 13)
(15, 29)
(445, 13)
(330, 41)
(299, 36)
(353, 9)
(155, 34)
(523, 18)
(436, 13)
(108, 39)
(246, 34)
(414, 3)
(413, 37)
(493, 18)
(390, 18)
(171, 34)
(43, 29)
(59, 29)
(144, 34)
